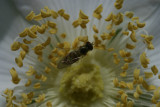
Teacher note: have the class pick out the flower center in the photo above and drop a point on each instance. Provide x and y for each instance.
(82, 83)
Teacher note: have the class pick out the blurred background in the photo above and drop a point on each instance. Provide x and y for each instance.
(8, 12)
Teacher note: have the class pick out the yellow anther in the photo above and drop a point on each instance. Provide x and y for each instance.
(38, 49)
(148, 74)
(106, 36)
(125, 66)
(38, 17)
(95, 29)
(15, 78)
(61, 53)
(38, 76)
(125, 33)
(15, 46)
(51, 24)
(49, 104)
(34, 29)
(136, 74)
(82, 15)
(97, 12)
(83, 38)
(75, 23)
(110, 49)
(99, 9)
(128, 60)
(135, 27)
(144, 60)
(136, 95)
(138, 89)
(154, 69)
(109, 26)
(63, 35)
(31, 34)
(140, 25)
(54, 50)
(41, 29)
(145, 85)
(130, 26)
(53, 31)
(130, 46)
(37, 85)
(22, 54)
(97, 41)
(156, 94)
(67, 46)
(43, 78)
(98, 16)
(116, 59)
(122, 84)
(130, 86)
(53, 65)
(123, 74)
(135, 18)
(61, 12)
(118, 4)
(45, 14)
(121, 92)
(28, 83)
(40, 58)
(27, 41)
(118, 104)
(123, 53)
(25, 100)
(115, 82)
(150, 46)
(124, 98)
(55, 59)
(40, 98)
(24, 33)
(84, 22)
(140, 81)
(151, 87)
(75, 43)
(60, 45)
(47, 42)
(133, 36)
(30, 16)
(130, 104)
(119, 19)
(109, 17)
(66, 16)
(112, 33)
(19, 61)
(54, 14)
(129, 14)
(148, 87)
(47, 70)
(31, 71)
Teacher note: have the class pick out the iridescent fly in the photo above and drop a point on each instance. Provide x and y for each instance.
(74, 56)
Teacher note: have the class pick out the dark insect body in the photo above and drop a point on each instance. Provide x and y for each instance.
(74, 56)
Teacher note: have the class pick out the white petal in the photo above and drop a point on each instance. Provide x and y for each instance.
(6, 56)
(71, 6)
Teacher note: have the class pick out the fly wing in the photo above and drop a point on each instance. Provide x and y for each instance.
(71, 58)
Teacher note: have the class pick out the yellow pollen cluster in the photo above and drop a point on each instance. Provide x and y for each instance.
(81, 21)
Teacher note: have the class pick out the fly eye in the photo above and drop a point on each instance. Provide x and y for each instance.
(89, 46)
(83, 50)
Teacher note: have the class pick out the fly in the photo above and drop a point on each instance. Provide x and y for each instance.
(74, 56)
